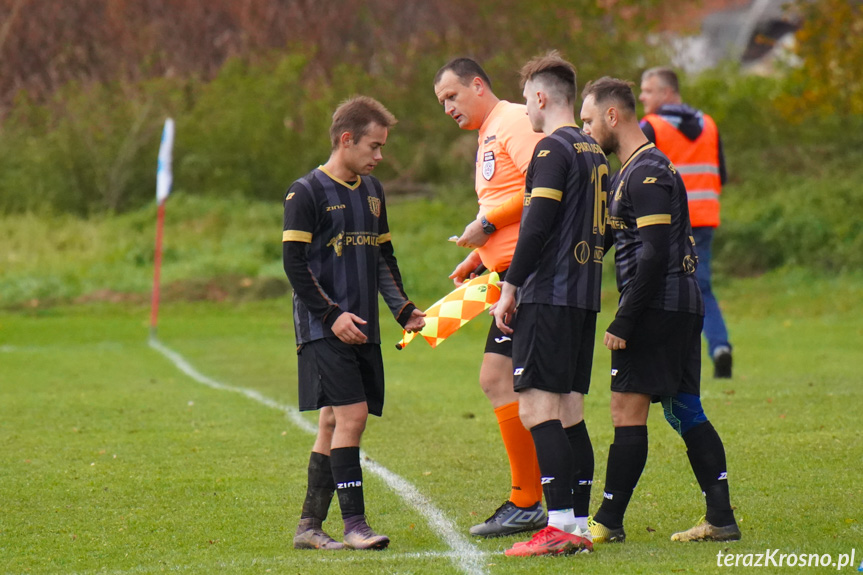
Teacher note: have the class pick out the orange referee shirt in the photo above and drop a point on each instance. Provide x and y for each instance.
(506, 142)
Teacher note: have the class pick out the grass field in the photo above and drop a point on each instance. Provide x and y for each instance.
(112, 460)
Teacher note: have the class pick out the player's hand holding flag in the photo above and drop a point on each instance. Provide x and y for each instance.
(455, 309)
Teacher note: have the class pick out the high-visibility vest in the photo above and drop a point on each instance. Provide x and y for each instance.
(698, 163)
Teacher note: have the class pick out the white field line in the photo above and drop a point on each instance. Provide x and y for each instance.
(327, 557)
(465, 555)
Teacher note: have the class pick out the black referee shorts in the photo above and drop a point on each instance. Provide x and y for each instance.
(553, 348)
(662, 357)
(496, 341)
(332, 372)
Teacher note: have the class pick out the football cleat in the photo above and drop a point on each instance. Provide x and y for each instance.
(310, 535)
(705, 531)
(551, 541)
(362, 537)
(722, 363)
(509, 519)
(602, 534)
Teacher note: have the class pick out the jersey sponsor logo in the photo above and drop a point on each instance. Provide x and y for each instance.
(582, 252)
(582, 147)
(375, 206)
(348, 484)
(649, 180)
(616, 223)
(543, 153)
(336, 207)
(487, 165)
(689, 265)
(598, 254)
(518, 371)
(337, 243)
(502, 339)
(289, 196)
(361, 239)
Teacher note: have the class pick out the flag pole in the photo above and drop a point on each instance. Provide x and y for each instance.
(157, 272)
(164, 179)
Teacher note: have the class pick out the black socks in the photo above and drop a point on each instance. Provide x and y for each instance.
(582, 469)
(555, 463)
(321, 487)
(348, 476)
(707, 457)
(626, 459)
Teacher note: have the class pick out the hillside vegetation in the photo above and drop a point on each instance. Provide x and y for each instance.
(86, 88)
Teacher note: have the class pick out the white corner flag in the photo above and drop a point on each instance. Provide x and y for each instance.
(164, 175)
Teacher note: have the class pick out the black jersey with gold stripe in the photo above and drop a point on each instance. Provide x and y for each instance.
(648, 191)
(558, 258)
(348, 250)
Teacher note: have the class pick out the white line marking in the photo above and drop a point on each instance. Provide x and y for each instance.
(464, 554)
(280, 562)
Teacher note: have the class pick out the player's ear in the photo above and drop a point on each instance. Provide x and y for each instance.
(478, 86)
(612, 115)
(346, 139)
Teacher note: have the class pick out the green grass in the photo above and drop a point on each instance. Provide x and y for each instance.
(113, 461)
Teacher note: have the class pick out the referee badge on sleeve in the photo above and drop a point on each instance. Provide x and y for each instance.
(487, 165)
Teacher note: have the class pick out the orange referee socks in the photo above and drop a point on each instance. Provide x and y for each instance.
(526, 488)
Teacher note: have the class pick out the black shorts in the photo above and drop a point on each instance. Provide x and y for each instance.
(332, 372)
(662, 357)
(496, 341)
(553, 348)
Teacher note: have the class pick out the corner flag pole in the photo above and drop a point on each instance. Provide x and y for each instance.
(164, 179)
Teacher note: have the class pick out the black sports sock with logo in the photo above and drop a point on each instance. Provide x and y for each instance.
(582, 468)
(348, 476)
(555, 463)
(321, 487)
(707, 457)
(626, 459)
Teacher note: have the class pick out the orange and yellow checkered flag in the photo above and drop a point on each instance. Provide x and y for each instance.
(455, 309)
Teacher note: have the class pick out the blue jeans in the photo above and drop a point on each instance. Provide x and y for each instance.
(714, 326)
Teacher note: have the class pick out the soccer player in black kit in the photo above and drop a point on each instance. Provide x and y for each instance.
(555, 279)
(338, 255)
(655, 338)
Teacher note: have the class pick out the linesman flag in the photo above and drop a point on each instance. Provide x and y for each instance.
(455, 309)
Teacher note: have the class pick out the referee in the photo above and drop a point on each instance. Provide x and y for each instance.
(655, 338)
(338, 256)
(555, 274)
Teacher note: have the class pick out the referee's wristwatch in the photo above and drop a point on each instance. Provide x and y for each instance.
(487, 227)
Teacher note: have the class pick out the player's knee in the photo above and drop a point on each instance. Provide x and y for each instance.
(495, 383)
(683, 412)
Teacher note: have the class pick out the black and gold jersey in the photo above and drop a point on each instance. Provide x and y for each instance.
(558, 258)
(648, 198)
(348, 253)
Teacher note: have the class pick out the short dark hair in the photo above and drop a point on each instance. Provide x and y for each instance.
(355, 114)
(465, 69)
(607, 88)
(666, 75)
(555, 72)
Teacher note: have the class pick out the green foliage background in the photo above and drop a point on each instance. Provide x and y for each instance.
(89, 151)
